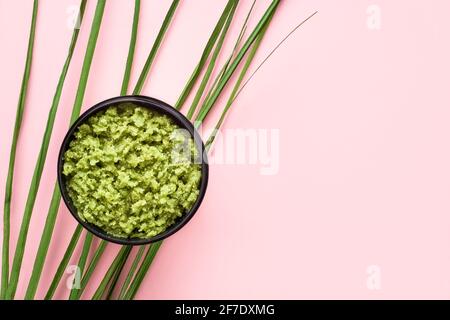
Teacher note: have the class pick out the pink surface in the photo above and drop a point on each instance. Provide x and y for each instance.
(364, 176)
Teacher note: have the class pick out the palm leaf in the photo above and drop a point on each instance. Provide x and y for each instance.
(82, 261)
(206, 52)
(131, 48)
(56, 198)
(156, 45)
(64, 262)
(234, 64)
(45, 240)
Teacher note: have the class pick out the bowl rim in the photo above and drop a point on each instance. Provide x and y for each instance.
(154, 105)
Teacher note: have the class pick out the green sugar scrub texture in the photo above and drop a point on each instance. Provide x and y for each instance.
(125, 172)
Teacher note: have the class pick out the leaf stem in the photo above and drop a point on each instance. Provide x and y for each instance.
(156, 45)
(5, 282)
(131, 48)
(90, 270)
(233, 53)
(64, 262)
(238, 83)
(206, 52)
(115, 279)
(82, 262)
(142, 271)
(226, 77)
(131, 272)
(212, 62)
(121, 256)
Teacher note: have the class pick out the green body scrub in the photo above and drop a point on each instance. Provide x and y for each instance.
(124, 173)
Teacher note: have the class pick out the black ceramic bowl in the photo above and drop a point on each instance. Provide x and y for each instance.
(153, 105)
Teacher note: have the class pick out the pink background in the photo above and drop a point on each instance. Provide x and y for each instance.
(364, 173)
